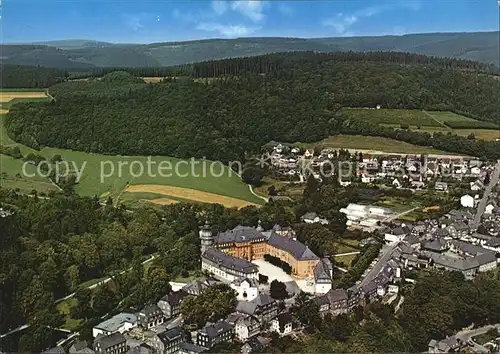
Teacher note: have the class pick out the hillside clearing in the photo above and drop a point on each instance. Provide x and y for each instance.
(189, 194)
(390, 116)
(374, 144)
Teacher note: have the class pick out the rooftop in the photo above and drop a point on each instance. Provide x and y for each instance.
(297, 249)
(229, 262)
(116, 322)
(111, 340)
(239, 234)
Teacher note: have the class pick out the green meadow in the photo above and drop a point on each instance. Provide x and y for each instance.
(105, 175)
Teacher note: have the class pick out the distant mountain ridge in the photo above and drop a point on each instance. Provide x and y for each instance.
(478, 46)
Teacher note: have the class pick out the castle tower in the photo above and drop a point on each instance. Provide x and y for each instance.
(206, 238)
(259, 227)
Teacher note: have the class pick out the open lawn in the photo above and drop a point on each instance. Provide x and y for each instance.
(390, 116)
(374, 144)
(64, 308)
(343, 247)
(398, 204)
(346, 260)
(105, 175)
(11, 177)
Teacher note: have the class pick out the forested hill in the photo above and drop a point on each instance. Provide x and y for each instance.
(225, 118)
(478, 46)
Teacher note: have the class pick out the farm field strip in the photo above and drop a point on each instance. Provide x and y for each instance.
(7, 96)
(163, 201)
(189, 194)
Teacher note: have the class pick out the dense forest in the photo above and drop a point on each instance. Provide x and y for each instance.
(295, 60)
(228, 117)
(279, 61)
(16, 76)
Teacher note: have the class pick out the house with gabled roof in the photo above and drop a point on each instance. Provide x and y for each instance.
(263, 307)
(215, 333)
(169, 341)
(170, 304)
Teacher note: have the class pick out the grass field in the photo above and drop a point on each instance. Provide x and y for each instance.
(228, 188)
(64, 308)
(430, 122)
(374, 143)
(390, 116)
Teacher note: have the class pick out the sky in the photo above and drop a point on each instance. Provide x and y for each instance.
(146, 21)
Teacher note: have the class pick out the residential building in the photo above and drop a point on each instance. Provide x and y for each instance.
(110, 344)
(254, 345)
(447, 345)
(313, 218)
(80, 347)
(441, 186)
(282, 323)
(122, 322)
(150, 316)
(55, 350)
(190, 348)
(197, 286)
(246, 326)
(170, 304)
(215, 333)
(338, 300)
(142, 348)
(467, 201)
(397, 234)
(263, 307)
(168, 342)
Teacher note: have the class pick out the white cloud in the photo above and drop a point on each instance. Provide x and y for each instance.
(253, 9)
(219, 6)
(135, 21)
(227, 30)
(209, 19)
(341, 23)
(285, 10)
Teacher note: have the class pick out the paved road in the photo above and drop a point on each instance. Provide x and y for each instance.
(494, 177)
(470, 333)
(384, 256)
(90, 287)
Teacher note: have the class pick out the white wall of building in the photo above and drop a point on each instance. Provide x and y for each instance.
(245, 289)
(322, 288)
